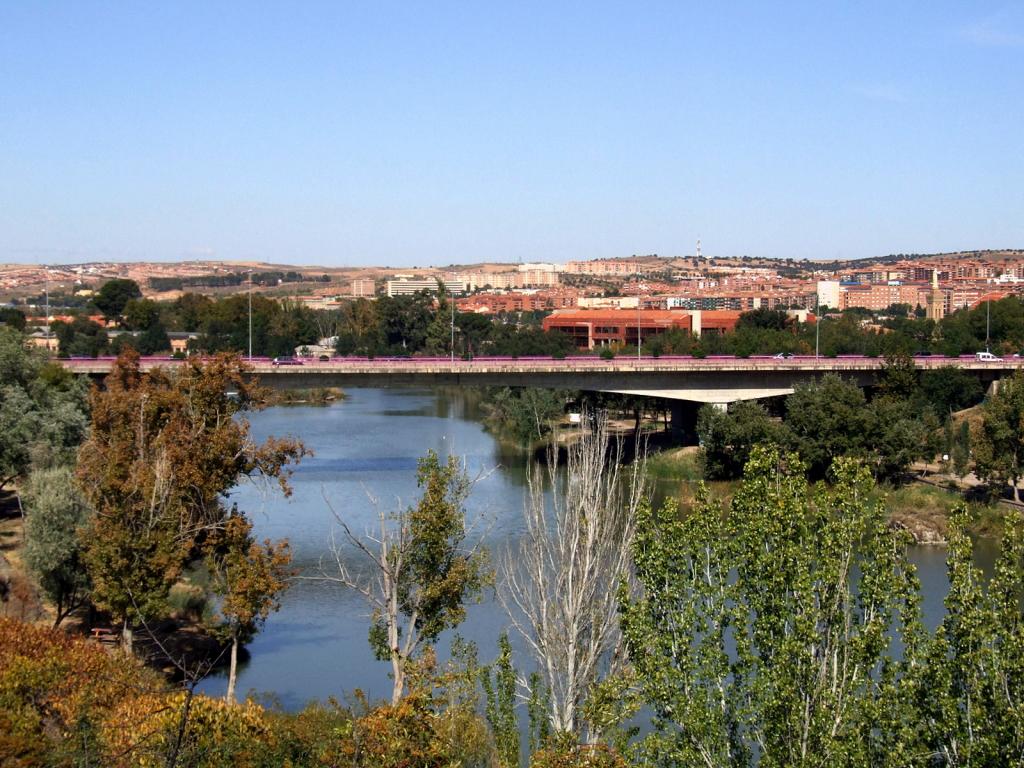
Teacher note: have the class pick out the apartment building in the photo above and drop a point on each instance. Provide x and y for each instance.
(362, 288)
(539, 301)
(407, 286)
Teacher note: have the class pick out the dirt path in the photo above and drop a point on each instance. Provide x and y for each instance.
(18, 596)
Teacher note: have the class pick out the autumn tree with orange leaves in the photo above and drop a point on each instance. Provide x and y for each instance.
(164, 448)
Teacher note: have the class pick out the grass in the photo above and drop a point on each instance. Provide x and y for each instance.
(932, 506)
(681, 464)
(676, 473)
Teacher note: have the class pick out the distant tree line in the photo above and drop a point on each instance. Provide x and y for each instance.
(419, 325)
(897, 331)
(422, 324)
(822, 420)
(233, 279)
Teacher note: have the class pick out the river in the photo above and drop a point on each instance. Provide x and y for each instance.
(365, 452)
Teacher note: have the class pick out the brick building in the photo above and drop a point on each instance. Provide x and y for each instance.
(590, 328)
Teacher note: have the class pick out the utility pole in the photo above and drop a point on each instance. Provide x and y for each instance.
(988, 322)
(46, 293)
(636, 264)
(250, 315)
(817, 323)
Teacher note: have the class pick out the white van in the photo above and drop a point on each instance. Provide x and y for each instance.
(987, 357)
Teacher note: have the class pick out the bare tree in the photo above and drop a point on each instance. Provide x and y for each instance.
(414, 570)
(560, 584)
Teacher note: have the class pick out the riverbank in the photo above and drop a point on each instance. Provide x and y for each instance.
(162, 646)
(922, 510)
(313, 396)
(19, 598)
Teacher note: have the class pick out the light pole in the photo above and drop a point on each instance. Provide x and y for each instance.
(46, 291)
(250, 315)
(817, 325)
(636, 264)
(988, 322)
(452, 299)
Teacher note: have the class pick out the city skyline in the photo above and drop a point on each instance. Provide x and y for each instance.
(404, 137)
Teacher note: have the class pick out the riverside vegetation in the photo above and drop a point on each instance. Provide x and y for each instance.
(780, 628)
(421, 324)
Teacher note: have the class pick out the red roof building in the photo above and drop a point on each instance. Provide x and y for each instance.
(590, 328)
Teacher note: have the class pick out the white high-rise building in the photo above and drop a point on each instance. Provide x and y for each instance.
(828, 294)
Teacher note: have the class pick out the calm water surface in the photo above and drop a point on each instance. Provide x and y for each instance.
(365, 451)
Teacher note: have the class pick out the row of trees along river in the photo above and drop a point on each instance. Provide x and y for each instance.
(422, 324)
(786, 624)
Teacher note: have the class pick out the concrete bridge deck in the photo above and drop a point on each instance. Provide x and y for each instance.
(704, 380)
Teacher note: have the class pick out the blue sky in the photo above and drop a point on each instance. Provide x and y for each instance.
(430, 133)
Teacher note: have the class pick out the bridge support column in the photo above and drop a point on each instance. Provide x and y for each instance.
(684, 421)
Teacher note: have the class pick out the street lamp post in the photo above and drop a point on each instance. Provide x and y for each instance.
(453, 329)
(817, 325)
(988, 322)
(638, 340)
(250, 315)
(46, 289)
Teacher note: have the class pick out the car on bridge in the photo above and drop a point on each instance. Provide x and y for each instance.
(286, 361)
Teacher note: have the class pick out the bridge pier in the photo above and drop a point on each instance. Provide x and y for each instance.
(683, 422)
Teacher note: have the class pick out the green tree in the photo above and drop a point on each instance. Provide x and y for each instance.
(420, 571)
(437, 338)
(827, 419)
(55, 510)
(727, 437)
(898, 379)
(473, 332)
(164, 449)
(950, 389)
(114, 295)
(359, 328)
(522, 341)
(248, 579)
(999, 442)
(154, 339)
(525, 414)
(972, 678)
(42, 409)
(896, 437)
(500, 695)
(81, 337)
(766, 319)
(403, 322)
(12, 318)
(767, 639)
(140, 314)
(961, 450)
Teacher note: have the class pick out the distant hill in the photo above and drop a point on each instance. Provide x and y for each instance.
(166, 278)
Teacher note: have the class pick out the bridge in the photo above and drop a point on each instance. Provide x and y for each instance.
(716, 380)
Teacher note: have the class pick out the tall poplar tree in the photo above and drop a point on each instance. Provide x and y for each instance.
(766, 638)
(999, 442)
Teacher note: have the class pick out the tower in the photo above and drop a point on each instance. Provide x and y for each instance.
(698, 249)
(935, 308)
